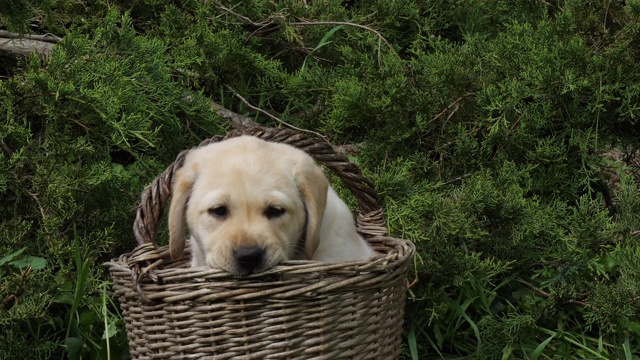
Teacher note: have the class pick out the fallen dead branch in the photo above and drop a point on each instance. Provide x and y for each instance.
(21, 45)
(236, 120)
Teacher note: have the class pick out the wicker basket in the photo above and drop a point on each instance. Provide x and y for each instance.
(296, 310)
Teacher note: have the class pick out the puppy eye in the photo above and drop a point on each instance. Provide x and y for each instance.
(274, 212)
(219, 211)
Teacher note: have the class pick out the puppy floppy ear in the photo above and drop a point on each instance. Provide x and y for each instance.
(313, 186)
(182, 185)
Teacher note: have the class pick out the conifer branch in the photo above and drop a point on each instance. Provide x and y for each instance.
(43, 44)
(501, 145)
(271, 20)
(547, 295)
(456, 180)
(13, 298)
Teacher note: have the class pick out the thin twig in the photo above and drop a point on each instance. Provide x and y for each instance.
(459, 178)
(583, 304)
(262, 23)
(44, 216)
(604, 21)
(442, 128)
(538, 291)
(412, 284)
(6, 150)
(345, 23)
(85, 127)
(264, 112)
(452, 105)
(240, 121)
(452, 112)
(547, 295)
(508, 133)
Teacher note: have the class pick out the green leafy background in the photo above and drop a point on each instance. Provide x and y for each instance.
(502, 137)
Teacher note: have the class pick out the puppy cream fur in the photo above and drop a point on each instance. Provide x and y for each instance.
(246, 193)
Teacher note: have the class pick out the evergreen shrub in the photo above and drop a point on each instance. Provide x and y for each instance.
(502, 136)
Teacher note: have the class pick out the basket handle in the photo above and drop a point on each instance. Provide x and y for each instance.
(371, 220)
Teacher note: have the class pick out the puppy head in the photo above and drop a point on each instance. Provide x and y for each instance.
(249, 204)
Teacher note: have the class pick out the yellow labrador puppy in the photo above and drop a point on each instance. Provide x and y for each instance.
(250, 204)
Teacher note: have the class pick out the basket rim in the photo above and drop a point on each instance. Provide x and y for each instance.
(397, 251)
(153, 281)
(147, 260)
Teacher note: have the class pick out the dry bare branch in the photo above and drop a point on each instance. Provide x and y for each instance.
(262, 23)
(264, 112)
(236, 120)
(547, 295)
(22, 45)
(50, 38)
(452, 105)
(6, 150)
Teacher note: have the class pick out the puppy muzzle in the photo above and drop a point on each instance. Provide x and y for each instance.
(248, 259)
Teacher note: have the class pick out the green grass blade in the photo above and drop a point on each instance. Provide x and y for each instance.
(11, 256)
(323, 42)
(105, 317)
(574, 342)
(627, 349)
(325, 38)
(81, 281)
(461, 311)
(413, 344)
(540, 348)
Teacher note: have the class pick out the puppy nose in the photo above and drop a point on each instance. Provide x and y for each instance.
(248, 258)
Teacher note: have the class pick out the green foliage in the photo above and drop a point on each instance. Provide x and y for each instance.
(84, 132)
(502, 136)
(49, 16)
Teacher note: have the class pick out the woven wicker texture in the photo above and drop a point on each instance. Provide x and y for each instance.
(296, 310)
